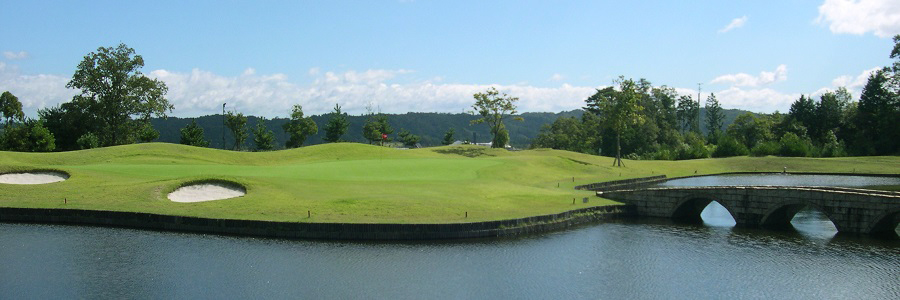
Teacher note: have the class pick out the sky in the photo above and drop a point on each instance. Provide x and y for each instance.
(263, 57)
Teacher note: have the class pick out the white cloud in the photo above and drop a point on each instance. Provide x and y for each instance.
(35, 91)
(736, 23)
(744, 79)
(201, 92)
(557, 77)
(854, 84)
(881, 17)
(757, 100)
(15, 55)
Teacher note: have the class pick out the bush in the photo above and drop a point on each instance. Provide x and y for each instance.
(693, 147)
(765, 149)
(728, 146)
(793, 145)
(88, 141)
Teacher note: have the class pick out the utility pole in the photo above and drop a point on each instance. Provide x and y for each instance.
(697, 117)
(223, 125)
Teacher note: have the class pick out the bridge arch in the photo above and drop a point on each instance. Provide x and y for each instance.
(688, 208)
(886, 224)
(779, 216)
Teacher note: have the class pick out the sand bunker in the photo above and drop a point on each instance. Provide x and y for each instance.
(38, 177)
(206, 192)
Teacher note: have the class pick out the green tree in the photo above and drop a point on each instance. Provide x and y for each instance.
(11, 108)
(113, 88)
(688, 113)
(562, 134)
(448, 137)
(337, 125)
(29, 136)
(192, 135)
(145, 132)
(263, 137)
(877, 117)
(828, 116)
(235, 123)
(714, 118)
(375, 126)
(299, 128)
(492, 106)
(750, 130)
(70, 121)
(803, 111)
(88, 141)
(618, 110)
(408, 139)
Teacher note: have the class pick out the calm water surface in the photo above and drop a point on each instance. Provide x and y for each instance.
(628, 260)
(618, 260)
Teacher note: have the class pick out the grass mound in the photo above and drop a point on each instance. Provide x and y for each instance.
(357, 183)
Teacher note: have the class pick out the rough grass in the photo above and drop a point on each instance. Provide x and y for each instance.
(358, 183)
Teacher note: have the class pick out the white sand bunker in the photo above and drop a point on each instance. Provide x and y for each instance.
(206, 192)
(37, 177)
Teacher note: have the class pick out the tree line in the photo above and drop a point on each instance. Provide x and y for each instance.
(639, 121)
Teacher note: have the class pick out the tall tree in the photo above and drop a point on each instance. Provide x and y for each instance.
(299, 128)
(337, 125)
(618, 110)
(263, 137)
(827, 119)
(448, 137)
(192, 135)
(803, 111)
(492, 106)
(375, 127)
(688, 112)
(235, 123)
(112, 86)
(11, 108)
(714, 118)
(877, 117)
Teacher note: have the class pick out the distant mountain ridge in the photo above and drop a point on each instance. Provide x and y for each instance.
(431, 127)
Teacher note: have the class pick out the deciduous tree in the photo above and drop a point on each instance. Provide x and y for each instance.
(115, 91)
(493, 106)
(235, 123)
(618, 110)
(299, 128)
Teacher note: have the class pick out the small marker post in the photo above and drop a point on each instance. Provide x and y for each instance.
(65, 200)
(467, 214)
(573, 201)
(308, 214)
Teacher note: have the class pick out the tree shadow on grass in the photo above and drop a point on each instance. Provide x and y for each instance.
(467, 152)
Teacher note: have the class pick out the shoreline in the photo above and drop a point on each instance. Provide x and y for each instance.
(321, 231)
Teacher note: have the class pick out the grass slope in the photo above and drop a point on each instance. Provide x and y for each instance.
(359, 183)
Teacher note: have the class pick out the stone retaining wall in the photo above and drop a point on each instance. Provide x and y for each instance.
(621, 184)
(340, 231)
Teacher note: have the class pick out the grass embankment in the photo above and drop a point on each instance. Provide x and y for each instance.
(357, 183)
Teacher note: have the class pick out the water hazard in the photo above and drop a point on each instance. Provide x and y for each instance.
(636, 259)
(627, 260)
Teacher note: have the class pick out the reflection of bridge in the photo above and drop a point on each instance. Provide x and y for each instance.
(851, 210)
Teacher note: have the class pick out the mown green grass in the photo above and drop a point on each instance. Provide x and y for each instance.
(358, 183)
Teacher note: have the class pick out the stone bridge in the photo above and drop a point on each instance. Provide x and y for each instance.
(851, 210)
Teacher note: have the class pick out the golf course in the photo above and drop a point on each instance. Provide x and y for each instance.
(359, 183)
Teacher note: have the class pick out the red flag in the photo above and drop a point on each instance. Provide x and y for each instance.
(384, 136)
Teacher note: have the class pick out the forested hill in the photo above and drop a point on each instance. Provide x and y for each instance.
(431, 127)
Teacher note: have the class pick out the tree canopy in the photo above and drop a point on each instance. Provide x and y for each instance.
(235, 123)
(492, 106)
(114, 92)
(193, 135)
(299, 127)
(336, 126)
(617, 109)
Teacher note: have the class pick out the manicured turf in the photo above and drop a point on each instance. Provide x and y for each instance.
(358, 183)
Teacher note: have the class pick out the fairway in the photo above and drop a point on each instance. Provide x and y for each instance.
(357, 183)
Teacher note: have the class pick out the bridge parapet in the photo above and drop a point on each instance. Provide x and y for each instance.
(851, 210)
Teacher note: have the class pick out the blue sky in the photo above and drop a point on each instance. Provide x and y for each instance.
(399, 56)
